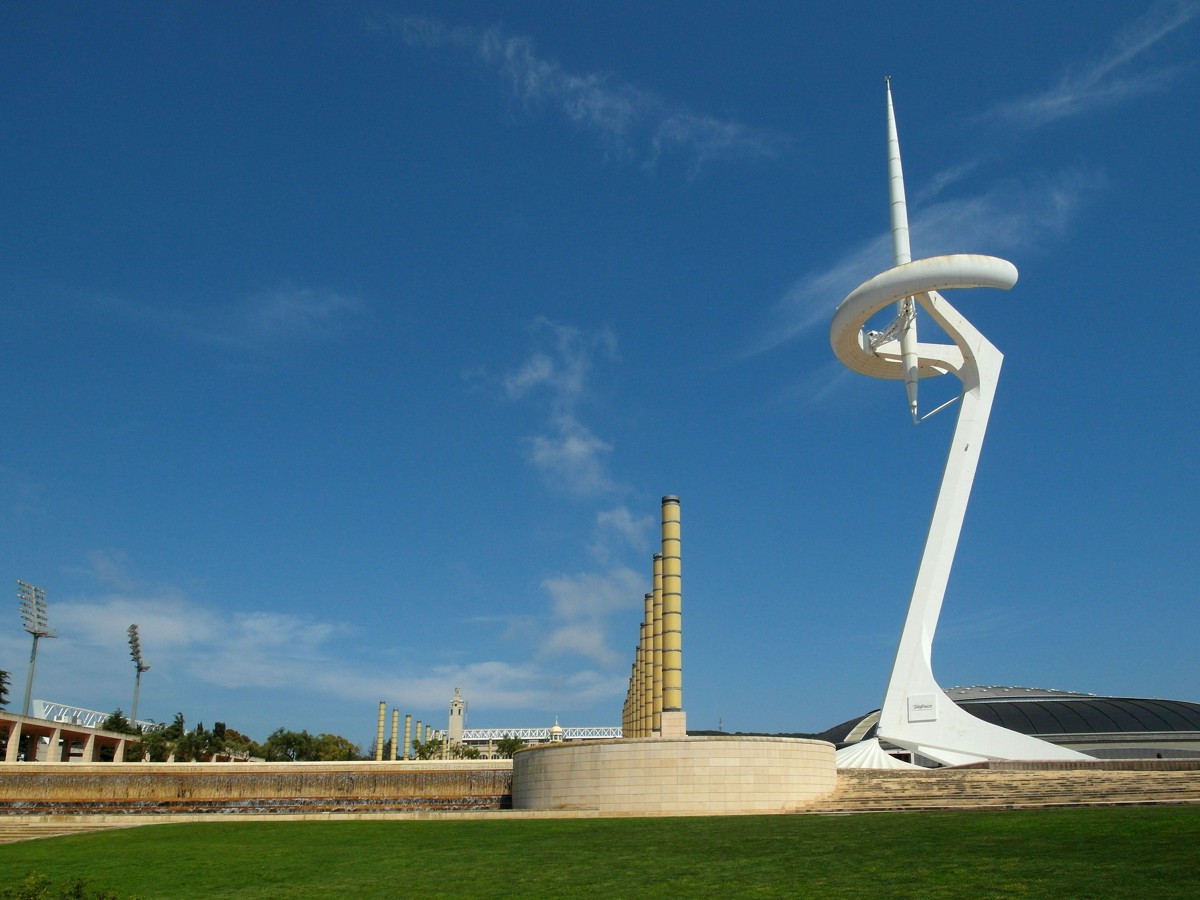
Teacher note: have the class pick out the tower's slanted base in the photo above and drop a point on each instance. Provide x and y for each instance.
(675, 776)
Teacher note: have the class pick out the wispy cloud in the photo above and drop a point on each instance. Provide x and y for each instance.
(629, 120)
(260, 321)
(619, 530)
(567, 453)
(1012, 216)
(1110, 79)
(197, 648)
(583, 605)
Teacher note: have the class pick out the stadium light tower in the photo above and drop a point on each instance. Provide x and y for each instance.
(135, 652)
(33, 613)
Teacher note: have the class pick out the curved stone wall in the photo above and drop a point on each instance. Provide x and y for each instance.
(675, 776)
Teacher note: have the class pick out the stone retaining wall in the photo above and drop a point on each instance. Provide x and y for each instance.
(253, 787)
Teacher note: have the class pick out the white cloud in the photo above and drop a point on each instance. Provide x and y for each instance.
(1109, 79)
(572, 458)
(633, 530)
(255, 322)
(567, 453)
(282, 316)
(1011, 216)
(592, 595)
(628, 119)
(194, 648)
(562, 370)
(582, 605)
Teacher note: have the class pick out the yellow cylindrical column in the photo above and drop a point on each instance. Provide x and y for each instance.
(636, 686)
(395, 733)
(379, 732)
(407, 748)
(629, 730)
(656, 644)
(672, 621)
(646, 686)
(418, 736)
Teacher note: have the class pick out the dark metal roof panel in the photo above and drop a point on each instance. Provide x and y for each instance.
(1069, 714)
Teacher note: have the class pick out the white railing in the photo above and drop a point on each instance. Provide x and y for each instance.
(483, 735)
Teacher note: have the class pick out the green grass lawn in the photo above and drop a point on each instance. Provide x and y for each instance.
(1133, 852)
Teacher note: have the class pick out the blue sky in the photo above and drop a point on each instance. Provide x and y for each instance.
(348, 349)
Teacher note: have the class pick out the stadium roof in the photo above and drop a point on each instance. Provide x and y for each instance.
(1047, 713)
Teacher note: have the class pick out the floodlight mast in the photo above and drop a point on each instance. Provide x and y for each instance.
(33, 614)
(135, 653)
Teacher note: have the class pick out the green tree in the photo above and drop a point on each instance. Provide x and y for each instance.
(4, 683)
(283, 745)
(154, 746)
(508, 745)
(335, 748)
(176, 729)
(430, 749)
(117, 722)
(191, 747)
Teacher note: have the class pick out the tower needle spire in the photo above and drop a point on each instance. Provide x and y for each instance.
(906, 309)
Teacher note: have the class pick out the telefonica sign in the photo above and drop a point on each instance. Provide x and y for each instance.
(922, 708)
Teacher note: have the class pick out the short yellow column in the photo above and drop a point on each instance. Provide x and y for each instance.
(379, 732)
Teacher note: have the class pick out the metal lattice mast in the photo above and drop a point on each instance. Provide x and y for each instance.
(33, 613)
(135, 653)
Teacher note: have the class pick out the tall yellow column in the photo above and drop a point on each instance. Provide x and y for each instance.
(657, 649)
(630, 701)
(646, 685)
(406, 750)
(395, 733)
(674, 721)
(636, 686)
(379, 732)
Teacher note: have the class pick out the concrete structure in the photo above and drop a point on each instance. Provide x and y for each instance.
(675, 776)
(662, 770)
(379, 731)
(255, 787)
(458, 718)
(33, 739)
(77, 715)
(1114, 728)
(673, 720)
(916, 713)
(654, 700)
(486, 740)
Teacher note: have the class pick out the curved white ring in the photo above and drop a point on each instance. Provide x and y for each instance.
(960, 270)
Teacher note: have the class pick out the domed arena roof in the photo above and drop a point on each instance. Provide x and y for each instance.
(1103, 727)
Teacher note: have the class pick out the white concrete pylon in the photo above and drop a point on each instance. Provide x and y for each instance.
(917, 714)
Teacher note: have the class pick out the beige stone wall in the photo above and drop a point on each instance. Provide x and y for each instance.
(76, 782)
(675, 776)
